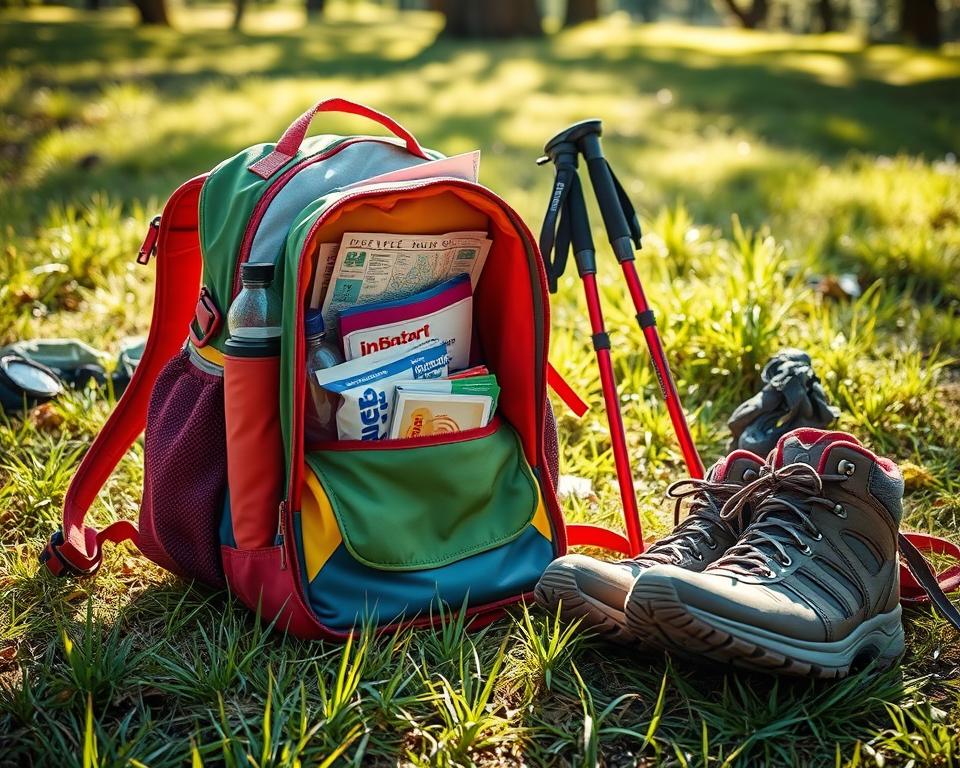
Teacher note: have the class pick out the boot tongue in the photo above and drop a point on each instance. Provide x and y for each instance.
(721, 472)
(806, 446)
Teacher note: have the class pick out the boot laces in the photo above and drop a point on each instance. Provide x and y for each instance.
(782, 501)
(706, 497)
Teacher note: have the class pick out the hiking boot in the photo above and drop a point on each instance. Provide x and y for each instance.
(811, 586)
(594, 590)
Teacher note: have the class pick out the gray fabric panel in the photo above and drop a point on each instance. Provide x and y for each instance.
(351, 164)
(887, 490)
(820, 593)
(864, 552)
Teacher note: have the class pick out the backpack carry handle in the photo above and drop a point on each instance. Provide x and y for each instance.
(289, 143)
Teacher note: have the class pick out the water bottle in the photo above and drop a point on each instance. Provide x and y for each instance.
(255, 313)
(320, 418)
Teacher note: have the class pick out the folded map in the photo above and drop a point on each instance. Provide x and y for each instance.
(379, 266)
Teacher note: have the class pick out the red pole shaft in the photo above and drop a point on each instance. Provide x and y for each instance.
(618, 438)
(670, 395)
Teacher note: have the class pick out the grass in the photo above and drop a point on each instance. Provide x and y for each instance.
(759, 163)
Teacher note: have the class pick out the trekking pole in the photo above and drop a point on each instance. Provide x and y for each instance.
(567, 206)
(623, 230)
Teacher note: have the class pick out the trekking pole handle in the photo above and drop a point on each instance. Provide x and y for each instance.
(289, 143)
(614, 219)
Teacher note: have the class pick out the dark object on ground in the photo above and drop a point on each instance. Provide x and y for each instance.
(68, 361)
(792, 397)
(24, 382)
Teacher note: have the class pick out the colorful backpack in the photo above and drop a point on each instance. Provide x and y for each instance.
(363, 531)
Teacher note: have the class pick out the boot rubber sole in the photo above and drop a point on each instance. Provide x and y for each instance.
(655, 610)
(559, 587)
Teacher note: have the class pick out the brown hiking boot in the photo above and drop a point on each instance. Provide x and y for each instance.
(811, 586)
(594, 590)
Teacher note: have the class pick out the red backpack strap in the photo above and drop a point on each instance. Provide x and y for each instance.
(919, 583)
(76, 549)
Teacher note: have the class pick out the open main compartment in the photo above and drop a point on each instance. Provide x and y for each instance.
(505, 339)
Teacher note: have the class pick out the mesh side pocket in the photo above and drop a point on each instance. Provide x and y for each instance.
(551, 444)
(185, 472)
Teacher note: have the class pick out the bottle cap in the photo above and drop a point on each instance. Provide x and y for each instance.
(313, 322)
(257, 273)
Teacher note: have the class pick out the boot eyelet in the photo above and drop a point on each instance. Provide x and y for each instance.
(818, 537)
(846, 467)
(806, 550)
(786, 562)
(711, 544)
(840, 512)
(749, 475)
(699, 557)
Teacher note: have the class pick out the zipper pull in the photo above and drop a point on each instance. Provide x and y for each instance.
(280, 537)
(149, 246)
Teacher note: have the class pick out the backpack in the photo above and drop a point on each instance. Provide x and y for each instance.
(357, 532)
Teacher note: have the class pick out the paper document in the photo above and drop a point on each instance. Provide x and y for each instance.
(326, 256)
(377, 266)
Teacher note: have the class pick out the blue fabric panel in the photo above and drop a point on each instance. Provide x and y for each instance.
(226, 523)
(345, 591)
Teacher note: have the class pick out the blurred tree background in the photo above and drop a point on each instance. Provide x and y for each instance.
(926, 23)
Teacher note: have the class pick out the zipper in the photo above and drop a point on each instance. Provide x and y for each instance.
(260, 209)
(282, 510)
(540, 316)
(148, 247)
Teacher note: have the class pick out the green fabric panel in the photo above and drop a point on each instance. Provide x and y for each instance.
(424, 507)
(288, 268)
(227, 199)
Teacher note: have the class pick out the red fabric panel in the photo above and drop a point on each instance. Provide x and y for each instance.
(260, 578)
(255, 464)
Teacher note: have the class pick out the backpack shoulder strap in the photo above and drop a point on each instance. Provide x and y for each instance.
(75, 549)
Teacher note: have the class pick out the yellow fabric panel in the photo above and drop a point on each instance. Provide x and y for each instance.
(541, 520)
(318, 526)
(210, 354)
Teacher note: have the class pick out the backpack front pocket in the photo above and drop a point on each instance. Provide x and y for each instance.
(388, 528)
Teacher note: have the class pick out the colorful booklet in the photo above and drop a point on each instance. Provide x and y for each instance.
(441, 406)
(421, 414)
(444, 311)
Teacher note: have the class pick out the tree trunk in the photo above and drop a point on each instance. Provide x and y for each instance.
(828, 22)
(492, 18)
(153, 12)
(579, 11)
(314, 7)
(755, 16)
(920, 22)
(239, 8)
